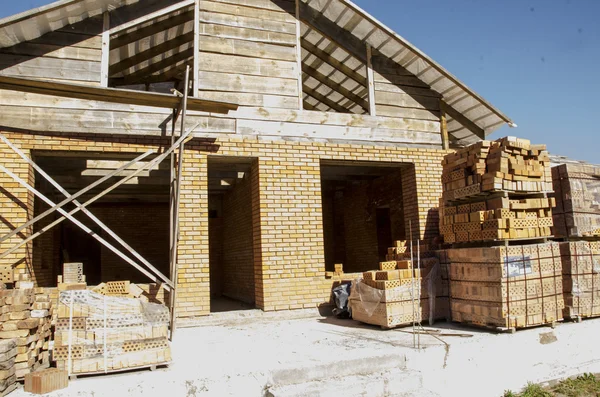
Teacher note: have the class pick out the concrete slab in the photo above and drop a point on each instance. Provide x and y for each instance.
(316, 356)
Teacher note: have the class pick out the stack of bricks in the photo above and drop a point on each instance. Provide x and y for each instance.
(499, 218)
(95, 333)
(24, 321)
(506, 287)
(507, 164)
(577, 192)
(581, 278)
(8, 378)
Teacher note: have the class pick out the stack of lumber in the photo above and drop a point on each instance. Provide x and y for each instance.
(581, 278)
(506, 287)
(499, 218)
(8, 378)
(507, 164)
(29, 326)
(577, 189)
(97, 333)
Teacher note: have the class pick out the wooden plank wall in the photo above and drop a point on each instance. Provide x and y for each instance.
(248, 52)
(71, 54)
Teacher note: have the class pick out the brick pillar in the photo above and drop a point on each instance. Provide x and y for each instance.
(193, 292)
(291, 234)
(17, 208)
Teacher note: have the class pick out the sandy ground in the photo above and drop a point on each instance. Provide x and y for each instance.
(295, 354)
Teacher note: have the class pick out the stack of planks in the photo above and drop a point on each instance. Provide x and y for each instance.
(577, 189)
(507, 164)
(97, 333)
(506, 287)
(8, 379)
(499, 218)
(581, 278)
(26, 318)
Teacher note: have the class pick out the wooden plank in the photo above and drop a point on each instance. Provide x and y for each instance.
(23, 66)
(299, 55)
(247, 22)
(400, 80)
(67, 39)
(468, 124)
(196, 47)
(370, 83)
(312, 72)
(209, 44)
(325, 100)
(248, 66)
(105, 50)
(334, 62)
(444, 127)
(408, 101)
(251, 99)
(410, 113)
(151, 17)
(272, 5)
(154, 67)
(216, 81)
(167, 23)
(234, 32)
(244, 11)
(402, 89)
(54, 51)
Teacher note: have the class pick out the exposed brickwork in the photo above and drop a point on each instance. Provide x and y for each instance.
(287, 214)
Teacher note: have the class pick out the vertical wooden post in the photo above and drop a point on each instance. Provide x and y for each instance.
(299, 56)
(370, 82)
(196, 69)
(105, 62)
(444, 126)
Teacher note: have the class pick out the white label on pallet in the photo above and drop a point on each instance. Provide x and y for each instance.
(517, 265)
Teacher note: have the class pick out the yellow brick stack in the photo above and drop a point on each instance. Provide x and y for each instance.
(581, 278)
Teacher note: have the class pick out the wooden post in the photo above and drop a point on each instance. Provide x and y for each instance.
(444, 126)
(196, 70)
(173, 295)
(370, 82)
(105, 63)
(299, 56)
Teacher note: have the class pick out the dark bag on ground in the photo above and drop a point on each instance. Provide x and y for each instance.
(341, 295)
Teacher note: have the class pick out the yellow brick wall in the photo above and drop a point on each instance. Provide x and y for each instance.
(286, 198)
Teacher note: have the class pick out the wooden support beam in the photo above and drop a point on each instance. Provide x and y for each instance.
(152, 15)
(334, 63)
(299, 56)
(444, 127)
(308, 106)
(321, 98)
(105, 62)
(196, 68)
(138, 76)
(150, 53)
(131, 37)
(468, 124)
(371, 82)
(321, 78)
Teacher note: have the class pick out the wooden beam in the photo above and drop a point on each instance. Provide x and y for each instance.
(105, 62)
(468, 124)
(124, 39)
(314, 73)
(150, 53)
(371, 82)
(308, 106)
(152, 15)
(337, 65)
(299, 56)
(444, 127)
(196, 68)
(138, 76)
(321, 98)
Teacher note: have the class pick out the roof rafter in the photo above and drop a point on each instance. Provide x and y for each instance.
(320, 77)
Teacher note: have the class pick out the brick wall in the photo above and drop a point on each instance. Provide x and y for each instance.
(286, 199)
(238, 252)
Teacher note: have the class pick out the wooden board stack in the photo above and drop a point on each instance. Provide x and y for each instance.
(26, 318)
(97, 333)
(581, 278)
(506, 287)
(577, 192)
(507, 164)
(499, 218)
(8, 378)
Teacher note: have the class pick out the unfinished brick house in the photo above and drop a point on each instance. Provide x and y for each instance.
(316, 135)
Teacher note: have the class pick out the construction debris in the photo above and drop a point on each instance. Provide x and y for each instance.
(581, 279)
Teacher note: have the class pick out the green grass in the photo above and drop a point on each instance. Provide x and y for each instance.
(586, 385)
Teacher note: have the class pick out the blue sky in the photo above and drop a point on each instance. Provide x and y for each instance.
(536, 60)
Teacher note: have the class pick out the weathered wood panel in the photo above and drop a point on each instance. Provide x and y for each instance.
(234, 32)
(45, 67)
(248, 66)
(245, 11)
(419, 114)
(407, 101)
(250, 99)
(273, 5)
(217, 81)
(245, 48)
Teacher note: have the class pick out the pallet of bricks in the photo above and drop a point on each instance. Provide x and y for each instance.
(506, 287)
(96, 333)
(397, 294)
(496, 191)
(25, 318)
(577, 192)
(581, 278)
